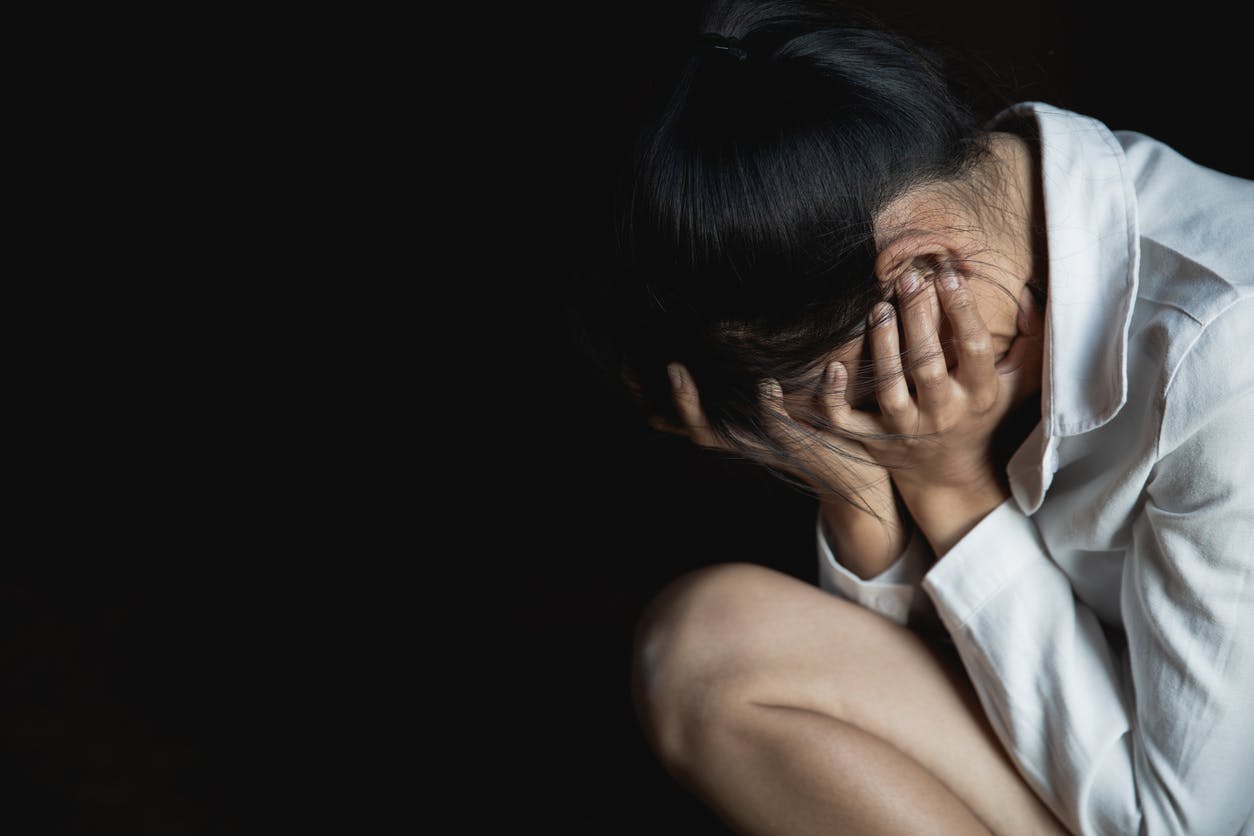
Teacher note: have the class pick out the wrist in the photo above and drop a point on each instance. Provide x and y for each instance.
(864, 543)
(947, 514)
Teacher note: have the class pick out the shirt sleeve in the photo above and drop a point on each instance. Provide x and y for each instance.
(893, 593)
(1159, 738)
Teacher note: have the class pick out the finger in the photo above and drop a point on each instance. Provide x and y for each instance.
(805, 453)
(688, 403)
(1020, 370)
(775, 418)
(932, 384)
(1030, 321)
(798, 447)
(661, 424)
(891, 391)
(792, 440)
(973, 345)
(833, 397)
(841, 454)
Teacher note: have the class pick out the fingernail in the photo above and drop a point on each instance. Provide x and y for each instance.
(832, 373)
(881, 314)
(949, 279)
(676, 376)
(770, 390)
(910, 282)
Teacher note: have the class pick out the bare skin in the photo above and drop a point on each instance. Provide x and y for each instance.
(927, 227)
(791, 711)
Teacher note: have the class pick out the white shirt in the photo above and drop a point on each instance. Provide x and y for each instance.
(1105, 612)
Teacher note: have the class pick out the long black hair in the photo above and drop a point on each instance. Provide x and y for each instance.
(744, 243)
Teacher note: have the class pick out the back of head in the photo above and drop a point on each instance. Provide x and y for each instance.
(745, 240)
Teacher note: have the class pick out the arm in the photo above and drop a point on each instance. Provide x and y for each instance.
(892, 592)
(940, 445)
(889, 586)
(1160, 740)
(867, 545)
(879, 564)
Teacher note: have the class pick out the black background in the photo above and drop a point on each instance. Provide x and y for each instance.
(314, 519)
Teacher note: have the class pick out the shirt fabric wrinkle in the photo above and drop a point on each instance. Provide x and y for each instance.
(1104, 612)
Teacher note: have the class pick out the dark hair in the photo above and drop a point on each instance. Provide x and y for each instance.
(745, 238)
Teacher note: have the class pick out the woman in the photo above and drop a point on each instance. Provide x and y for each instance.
(1008, 358)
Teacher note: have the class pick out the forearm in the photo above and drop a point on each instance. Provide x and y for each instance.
(946, 515)
(863, 543)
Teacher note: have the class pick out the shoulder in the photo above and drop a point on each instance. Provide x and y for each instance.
(1195, 227)
(1207, 376)
(1195, 277)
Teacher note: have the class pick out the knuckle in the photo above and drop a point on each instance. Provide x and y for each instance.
(978, 345)
(703, 437)
(688, 409)
(888, 362)
(910, 442)
(894, 403)
(913, 300)
(984, 402)
(962, 300)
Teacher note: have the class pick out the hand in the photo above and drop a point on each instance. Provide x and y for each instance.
(940, 443)
(867, 534)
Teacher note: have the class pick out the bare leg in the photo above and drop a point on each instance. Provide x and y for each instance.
(790, 711)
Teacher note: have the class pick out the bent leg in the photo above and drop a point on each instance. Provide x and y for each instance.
(789, 710)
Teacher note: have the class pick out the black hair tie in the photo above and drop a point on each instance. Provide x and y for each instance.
(712, 43)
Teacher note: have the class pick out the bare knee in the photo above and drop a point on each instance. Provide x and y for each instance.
(694, 667)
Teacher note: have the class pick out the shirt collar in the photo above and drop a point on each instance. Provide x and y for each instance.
(1093, 257)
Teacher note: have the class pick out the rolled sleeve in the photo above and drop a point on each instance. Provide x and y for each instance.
(1156, 739)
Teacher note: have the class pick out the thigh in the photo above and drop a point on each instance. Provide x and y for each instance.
(767, 638)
